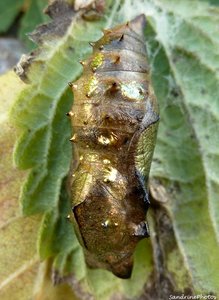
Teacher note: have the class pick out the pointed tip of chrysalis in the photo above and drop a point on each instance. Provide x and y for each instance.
(138, 24)
(72, 85)
(73, 139)
(82, 62)
(116, 59)
(121, 37)
(70, 114)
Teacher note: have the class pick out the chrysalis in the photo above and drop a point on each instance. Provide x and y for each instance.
(114, 120)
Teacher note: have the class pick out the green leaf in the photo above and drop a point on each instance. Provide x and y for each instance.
(189, 168)
(8, 11)
(21, 274)
(182, 43)
(57, 234)
(18, 260)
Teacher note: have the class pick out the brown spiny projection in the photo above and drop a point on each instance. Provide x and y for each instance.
(114, 120)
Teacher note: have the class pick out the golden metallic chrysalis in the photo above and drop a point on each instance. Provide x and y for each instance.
(114, 120)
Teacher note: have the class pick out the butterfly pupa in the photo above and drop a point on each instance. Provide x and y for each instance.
(114, 119)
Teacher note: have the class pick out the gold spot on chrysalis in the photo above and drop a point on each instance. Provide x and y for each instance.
(106, 161)
(103, 140)
(91, 86)
(107, 140)
(97, 61)
(105, 224)
(131, 91)
(110, 174)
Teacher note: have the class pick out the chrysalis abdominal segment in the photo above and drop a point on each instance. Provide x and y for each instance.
(114, 120)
